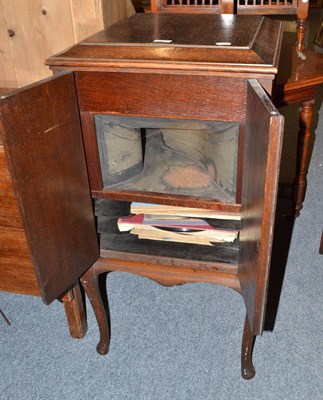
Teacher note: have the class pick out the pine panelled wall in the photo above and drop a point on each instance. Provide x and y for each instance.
(33, 30)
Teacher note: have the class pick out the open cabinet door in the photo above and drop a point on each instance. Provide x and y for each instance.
(42, 138)
(261, 161)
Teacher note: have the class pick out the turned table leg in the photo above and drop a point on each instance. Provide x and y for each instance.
(304, 137)
(247, 368)
(300, 37)
(90, 284)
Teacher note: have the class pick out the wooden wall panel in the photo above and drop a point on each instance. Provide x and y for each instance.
(7, 67)
(87, 18)
(33, 30)
(113, 10)
(40, 28)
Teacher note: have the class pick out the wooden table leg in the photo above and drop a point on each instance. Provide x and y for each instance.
(75, 312)
(91, 286)
(247, 368)
(304, 137)
(300, 37)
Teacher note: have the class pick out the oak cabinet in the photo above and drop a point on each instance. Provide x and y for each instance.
(191, 78)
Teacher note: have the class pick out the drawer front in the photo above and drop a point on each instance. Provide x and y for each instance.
(16, 268)
(9, 212)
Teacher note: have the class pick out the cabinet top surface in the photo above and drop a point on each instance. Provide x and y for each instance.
(192, 30)
(181, 41)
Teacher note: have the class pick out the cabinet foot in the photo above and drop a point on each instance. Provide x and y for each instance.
(90, 283)
(247, 368)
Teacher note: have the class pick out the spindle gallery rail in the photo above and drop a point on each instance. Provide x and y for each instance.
(229, 6)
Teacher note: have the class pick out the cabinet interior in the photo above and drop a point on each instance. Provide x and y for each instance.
(107, 213)
(169, 156)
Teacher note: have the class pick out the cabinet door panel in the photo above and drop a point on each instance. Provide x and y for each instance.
(43, 143)
(261, 161)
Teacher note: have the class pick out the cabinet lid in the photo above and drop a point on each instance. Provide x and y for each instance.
(191, 42)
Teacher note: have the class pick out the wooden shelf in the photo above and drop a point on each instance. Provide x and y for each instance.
(108, 212)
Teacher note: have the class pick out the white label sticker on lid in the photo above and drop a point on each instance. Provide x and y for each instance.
(162, 41)
(223, 43)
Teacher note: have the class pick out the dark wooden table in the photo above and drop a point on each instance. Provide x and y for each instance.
(297, 82)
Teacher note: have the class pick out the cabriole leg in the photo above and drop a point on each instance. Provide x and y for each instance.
(90, 282)
(304, 137)
(247, 368)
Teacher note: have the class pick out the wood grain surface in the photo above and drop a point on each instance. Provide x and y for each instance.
(262, 150)
(43, 143)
